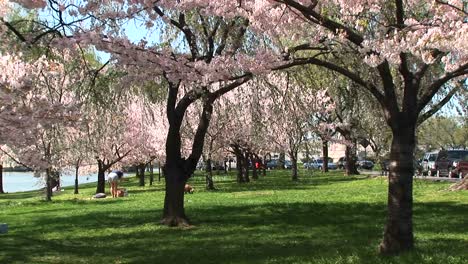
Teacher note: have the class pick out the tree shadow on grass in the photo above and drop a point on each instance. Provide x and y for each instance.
(270, 232)
(21, 195)
(279, 182)
(147, 189)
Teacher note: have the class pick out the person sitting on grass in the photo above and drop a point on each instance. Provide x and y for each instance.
(113, 178)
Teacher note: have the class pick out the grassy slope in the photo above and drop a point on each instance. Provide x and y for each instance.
(320, 219)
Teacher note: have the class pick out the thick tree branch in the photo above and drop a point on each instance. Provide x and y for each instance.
(246, 77)
(343, 71)
(182, 26)
(316, 18)
(224, 37)
(13, 29)
(440, 104)
(173, 90)
(400, 14)
(190, 97)
(390, 101)
(198, 141)
(437, 84)
(14, 159)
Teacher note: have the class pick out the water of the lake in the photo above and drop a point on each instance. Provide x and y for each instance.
(25, 181)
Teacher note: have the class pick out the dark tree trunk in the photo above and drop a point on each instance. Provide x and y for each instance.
(151, 173)
(1, 179)
(240, 161)
(264, 165)
(48, 188)
(351, 168)
(254, 160)
(141, 174)
(159, 171)
(178, 169)
(101, 184)
(307, 152)
(246, 167)
(325, 155)
(209, 182)
(281, 159)
(398, 234)
(293, 155)
(76, 179)
(240, 168)
(209, 175)
(174, 211)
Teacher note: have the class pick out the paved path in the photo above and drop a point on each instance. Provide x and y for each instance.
(430, 178)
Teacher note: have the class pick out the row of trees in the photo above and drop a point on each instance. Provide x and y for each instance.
(409, 56)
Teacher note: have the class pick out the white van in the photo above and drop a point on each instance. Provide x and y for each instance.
(428, 163)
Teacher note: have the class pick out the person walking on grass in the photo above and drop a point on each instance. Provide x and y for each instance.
(114, 178)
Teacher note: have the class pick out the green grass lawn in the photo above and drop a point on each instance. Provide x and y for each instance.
(320, 219)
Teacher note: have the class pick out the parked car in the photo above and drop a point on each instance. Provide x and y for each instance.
(215, 165)
(428, 163)
(446, 159)
(308, 165)
(287, 164)
(272, 164)
(318, 164)
(365, 164)
(460, 168)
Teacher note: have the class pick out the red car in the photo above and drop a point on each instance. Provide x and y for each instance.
(447, 160)
(460, 168)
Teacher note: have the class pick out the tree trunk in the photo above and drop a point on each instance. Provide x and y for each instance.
(398, 234)
(325, 155)
(264, 165)
(174, 211)
(159, 171)
(281, 159)
(1, 179)
(351, 168)
(76, 179)
(101, 184)
(294, 165)
(240, 178)
(246, 167)
(151, 173)
(141, 172)
(48, 189)
(178, 169)
(254, 160)
(209, 175)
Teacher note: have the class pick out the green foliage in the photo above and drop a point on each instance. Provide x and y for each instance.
(319, 219)
(442, 133)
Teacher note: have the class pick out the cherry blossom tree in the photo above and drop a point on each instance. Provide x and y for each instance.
(245, 132)
(37, 107)
(289, 110)
(407, 52)
(215, 138)
(322, 124)
(145, 131)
